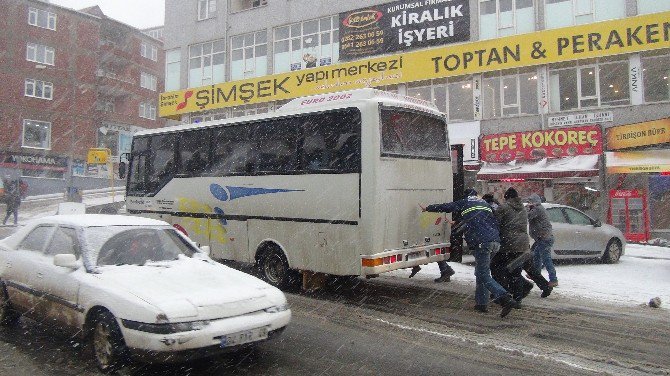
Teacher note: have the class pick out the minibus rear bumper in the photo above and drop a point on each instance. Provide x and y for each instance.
(403, 258)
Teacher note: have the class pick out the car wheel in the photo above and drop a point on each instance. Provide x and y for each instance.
(109, 348)
(612, 252)
(274, 269)
(8, 317)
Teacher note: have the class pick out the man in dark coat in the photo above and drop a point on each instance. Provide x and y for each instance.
(481, 232)
(13, 201)
(514, 245)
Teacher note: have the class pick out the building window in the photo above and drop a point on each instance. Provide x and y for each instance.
(148, 81)
(509, 94)
(652, 6)
(498, 18)
(587, 86)
(156, 33)
(306, 44)
(173, 70)
(206, 9)
(148, 111)
(206, 63)
(249, 56)
(39, 89)
(108, 139)
(460, 100)
(36, 134)
(453, 97)
(209, 116)
(149, 51)
(561, 13)
(42, 18)
(656, 75)
(240, 5)
(40, 54)
(105, 106)
(250, 109)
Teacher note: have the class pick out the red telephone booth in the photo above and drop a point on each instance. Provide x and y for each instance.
(628, 212)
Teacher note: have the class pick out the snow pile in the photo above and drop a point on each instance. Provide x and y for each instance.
(659, 242)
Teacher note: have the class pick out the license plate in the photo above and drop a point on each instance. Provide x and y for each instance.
(246, 336)
(415, 255)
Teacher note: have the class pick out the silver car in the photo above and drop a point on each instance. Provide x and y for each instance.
(576, 235)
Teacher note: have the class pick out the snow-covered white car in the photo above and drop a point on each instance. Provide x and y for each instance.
(136, 287)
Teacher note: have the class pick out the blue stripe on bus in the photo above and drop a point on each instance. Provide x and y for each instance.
(243, 218)
(230, 193)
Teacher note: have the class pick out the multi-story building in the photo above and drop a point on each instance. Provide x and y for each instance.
(532, 88)
(72, 80)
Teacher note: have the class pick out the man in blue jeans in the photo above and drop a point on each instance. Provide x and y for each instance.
(482, 235)
(541, 231)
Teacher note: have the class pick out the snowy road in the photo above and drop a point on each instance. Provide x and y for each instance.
(395, 327)
(594, 323)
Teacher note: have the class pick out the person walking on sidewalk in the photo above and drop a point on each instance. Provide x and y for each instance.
(13, 201)
(541, 232)
(507, 264)
(482, 235)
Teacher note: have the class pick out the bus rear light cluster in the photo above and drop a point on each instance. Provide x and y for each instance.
(382, 261)
(441, 251)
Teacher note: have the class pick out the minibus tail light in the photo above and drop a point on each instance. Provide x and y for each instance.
(370, 263)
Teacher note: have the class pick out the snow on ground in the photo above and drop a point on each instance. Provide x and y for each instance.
(641, 274)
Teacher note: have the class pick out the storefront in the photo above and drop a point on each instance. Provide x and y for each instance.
(562, 165)
(638, 179)
(33, 165)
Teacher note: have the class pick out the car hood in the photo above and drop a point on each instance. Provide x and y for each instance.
(191, 289)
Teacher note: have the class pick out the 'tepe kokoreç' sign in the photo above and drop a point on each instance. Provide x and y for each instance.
(535, 145)
(403, 25)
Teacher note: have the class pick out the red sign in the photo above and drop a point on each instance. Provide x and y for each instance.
(625, 193)
(554, 143)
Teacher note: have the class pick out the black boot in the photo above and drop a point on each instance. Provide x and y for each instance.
(483, 308)
(546, 292)
(415, 270)
(507, 303)
(445, 276)
(527, 286)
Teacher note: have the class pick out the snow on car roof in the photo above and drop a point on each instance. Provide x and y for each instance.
(100, 220)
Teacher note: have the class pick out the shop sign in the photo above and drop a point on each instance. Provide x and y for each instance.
(637, 162)
(35, 161)
(528, 146)
(640, 134)
(402, 26)
(607, 38)
(580, 119)
(625, 193)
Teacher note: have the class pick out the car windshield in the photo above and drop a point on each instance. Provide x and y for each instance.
(126, 245)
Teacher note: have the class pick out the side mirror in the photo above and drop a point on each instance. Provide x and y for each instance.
(205, 249)
(122, 170)
(597, 223)
(66, 260)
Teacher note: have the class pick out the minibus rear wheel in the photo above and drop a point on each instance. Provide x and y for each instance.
(274, 269)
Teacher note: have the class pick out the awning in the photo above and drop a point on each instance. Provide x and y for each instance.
(566, 167)
(637, 162)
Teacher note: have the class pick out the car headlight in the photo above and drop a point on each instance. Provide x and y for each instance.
(165, 328)
(277, 308)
